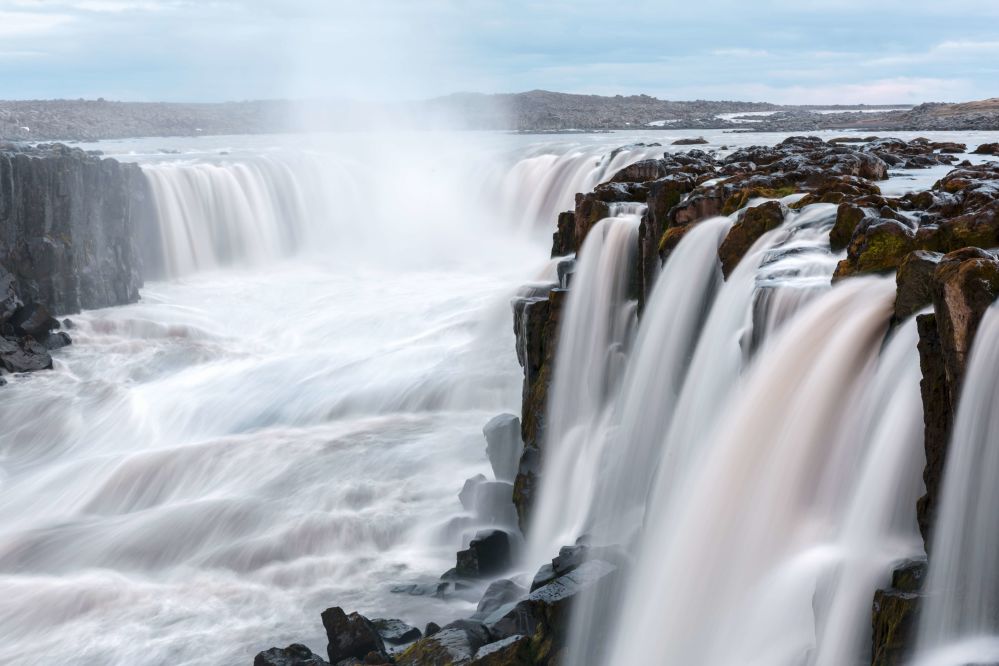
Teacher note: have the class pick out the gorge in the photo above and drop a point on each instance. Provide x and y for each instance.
(732, 396)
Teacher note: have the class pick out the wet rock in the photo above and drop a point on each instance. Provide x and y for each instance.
(987, 149)
(24, 356)
(350, 636)
(395, 632)
(431, 629)
(938, 418)
(895, 616)
(544, 615)
(526, 484)
(488, 553)
(10, 302)
(455, 643)
(511, 651)
(914, 282)
(498, 594)
(564, 238)
(34, 320)
(57, 340)
(752, 224)
(295, 654)
(690, 142)
(878, 245)
(589, 210)
(489, 501)
(503, 445)
(848, 217)
(641, 172)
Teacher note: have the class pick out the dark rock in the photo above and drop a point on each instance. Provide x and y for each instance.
(564, 238)
(395, 631)
(938, 418)
(455, 643)
(488, 553)
(878, 245)
(67, 227)
(57, 340)
(914, 282)
(752, 224)
(966, 284)
(24, 356)
(987, 149)
(10, 302)
(503, 445)
(350, 636)
(431, 629)
(848, 217)
(895, 616)
(295, 654)
(34, 320)
(690, 142)
(511, 651)
(498, 594)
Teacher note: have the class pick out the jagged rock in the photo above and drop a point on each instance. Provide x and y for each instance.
(914, 282)
(895, 616)
(564, 238)
(525, 485)
(455, 643)
(498, 594)
(9, 300)
(987, 149)
(488, 553)
(350, 636)
(24, 356)
(431, 629)
(589, 210)
(752, 224)
(511, 651)
(295, 654)
(395, 631)
(503, 445)
(966, 283)
(34, 320)
(938, 418)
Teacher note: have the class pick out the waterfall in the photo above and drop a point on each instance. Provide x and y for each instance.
(597, 327)
(773, 508)
(959, 620)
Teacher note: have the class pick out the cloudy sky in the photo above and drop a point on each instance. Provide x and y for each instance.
(800, 51)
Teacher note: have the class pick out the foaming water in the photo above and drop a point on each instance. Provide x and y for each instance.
(958, 623)
(286, 425)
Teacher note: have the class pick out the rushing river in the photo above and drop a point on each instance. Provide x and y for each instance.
(284, 421)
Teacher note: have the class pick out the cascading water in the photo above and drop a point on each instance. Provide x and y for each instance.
(598, 324)
(205, 471)
(959, 621)
(762, 509)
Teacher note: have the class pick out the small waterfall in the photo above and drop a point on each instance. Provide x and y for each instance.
(597, 327)
(214, 215)
(762, 508)
(959, 621)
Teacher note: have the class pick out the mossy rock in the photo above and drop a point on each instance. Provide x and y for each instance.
(742, 197)
(878, 248)
(848, 217)
(755, 222)
(894, 621)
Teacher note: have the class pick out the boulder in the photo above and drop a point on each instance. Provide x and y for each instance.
(690, 142)
(350, 636)
(503, 445)
(848, 217)
(511, 651)
(914, 282)
(431, 629)
(488, 553)
(752, 224)
(34, 320)
(295, 654)
(987, 149)
(24, 356)
(455, 643)
(878, 245)
(395, 632)
(498, 594)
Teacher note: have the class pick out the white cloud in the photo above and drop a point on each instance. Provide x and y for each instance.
(24, 24)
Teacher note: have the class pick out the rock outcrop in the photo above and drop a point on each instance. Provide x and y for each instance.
(68, 225)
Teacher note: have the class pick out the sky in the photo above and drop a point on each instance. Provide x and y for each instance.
(802, 51)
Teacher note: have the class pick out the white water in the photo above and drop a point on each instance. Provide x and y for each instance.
(762, 515)
(286, 425)
(959, 620)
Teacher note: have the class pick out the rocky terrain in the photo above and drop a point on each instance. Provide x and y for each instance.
(534, 111)
(69, 224)
(939, 245)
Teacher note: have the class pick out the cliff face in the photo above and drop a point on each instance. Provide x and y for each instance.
(68, 224)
